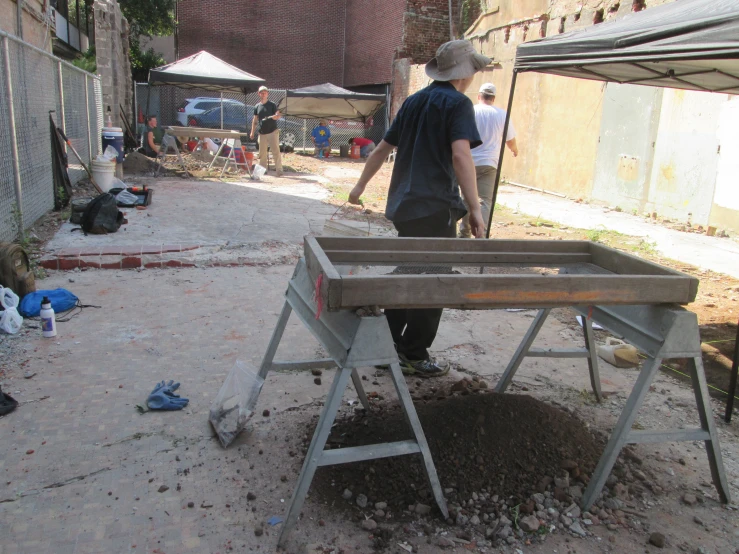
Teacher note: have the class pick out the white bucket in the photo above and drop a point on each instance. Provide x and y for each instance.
(103, 173)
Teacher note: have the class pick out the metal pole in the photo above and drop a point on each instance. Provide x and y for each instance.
(732, 382)
(502, 152)
(61, 96)
(221, 110)
(87, 118)
(13, 135)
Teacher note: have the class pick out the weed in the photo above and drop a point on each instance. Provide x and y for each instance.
(646, 247)
(516, 514)
(595, 235)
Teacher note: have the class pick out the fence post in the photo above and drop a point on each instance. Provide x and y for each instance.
(13, 137)
(87, 118)
(61, 97)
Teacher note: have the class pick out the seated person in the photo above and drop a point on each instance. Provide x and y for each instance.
(366, 146)
(151, 147)
(321, 137)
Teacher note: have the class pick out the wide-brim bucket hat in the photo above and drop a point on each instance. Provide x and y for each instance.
(456, 59)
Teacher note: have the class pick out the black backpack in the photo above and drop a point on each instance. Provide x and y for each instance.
(101, 216)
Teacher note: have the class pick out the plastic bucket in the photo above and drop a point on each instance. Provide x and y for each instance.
(113, 136)
(344, 150)
(354, 153)
(103, 173)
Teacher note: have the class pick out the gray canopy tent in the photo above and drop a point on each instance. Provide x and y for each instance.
(686, 44)
(330, 101)
(204, 71)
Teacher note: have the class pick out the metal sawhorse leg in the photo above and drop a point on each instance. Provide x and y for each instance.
(661, 332)
(351, 342)
(168, 142)
(524, 350)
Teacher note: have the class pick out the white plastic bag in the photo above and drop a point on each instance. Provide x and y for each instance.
(259, 171)
(10, 321)
(235, 402)
(8, 299)
(211, 146)
(110, 154)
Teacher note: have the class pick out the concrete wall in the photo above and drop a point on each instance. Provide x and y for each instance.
(725, 208)
(34, 30)
(113, 63)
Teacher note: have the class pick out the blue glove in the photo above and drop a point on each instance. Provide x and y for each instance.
(167, 387)
(163, 400)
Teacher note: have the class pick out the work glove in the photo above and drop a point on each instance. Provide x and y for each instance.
(167, 387)
(164, 400)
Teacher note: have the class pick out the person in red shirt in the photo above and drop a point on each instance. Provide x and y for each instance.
(366, 146)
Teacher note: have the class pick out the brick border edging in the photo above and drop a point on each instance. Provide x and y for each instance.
(118, 257)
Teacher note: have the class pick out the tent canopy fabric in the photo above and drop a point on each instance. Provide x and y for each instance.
(686, 44)
(205, 71)
(331, 102)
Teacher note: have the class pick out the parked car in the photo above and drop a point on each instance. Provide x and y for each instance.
(350, 125)
(196, 106)
(238, 118)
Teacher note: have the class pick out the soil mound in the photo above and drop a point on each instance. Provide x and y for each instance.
(501, 444)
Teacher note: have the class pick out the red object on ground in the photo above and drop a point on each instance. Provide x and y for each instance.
(354, 152)
(191, 144)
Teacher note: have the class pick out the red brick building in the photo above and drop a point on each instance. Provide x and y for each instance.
(297, 43)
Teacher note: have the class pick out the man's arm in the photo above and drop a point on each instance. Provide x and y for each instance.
(372, 165)
(150, 140)
(253, 125)
(464, 169)
(513, 146)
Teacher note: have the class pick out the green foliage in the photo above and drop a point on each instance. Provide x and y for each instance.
(143, 61)
(87, 61)
(148, 17)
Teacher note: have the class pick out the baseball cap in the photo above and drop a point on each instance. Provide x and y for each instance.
(456, 59)
(263, 88)
(488, 88)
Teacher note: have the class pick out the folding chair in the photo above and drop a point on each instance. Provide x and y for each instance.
(235, 145)
(167, 143)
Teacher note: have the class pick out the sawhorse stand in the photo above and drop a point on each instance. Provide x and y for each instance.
(168, 142)
(351, 342)
(661, 332)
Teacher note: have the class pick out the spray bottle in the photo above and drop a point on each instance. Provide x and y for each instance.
(48, 321)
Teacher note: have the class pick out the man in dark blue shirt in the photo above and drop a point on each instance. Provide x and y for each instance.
(434, 132)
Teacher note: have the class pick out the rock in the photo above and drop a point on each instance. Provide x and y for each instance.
(445, 542)
(568, 465)
(613, 504)
(575, 492)
(258, 531)
(620, 491)
(369, 525)
(538, 498)
(379, 513)
(206, 504)
(422, 509)
(612, 527)
(29, 452)
(697, 520)
(505, 521)
(530, 524)
(380, 505)
(362, 500)
(347, 494)
(657, 539)
(544, 482)
(191, 504)
(553, 513)
(562, 482)
(474, 520)
(573, 511)
(461, 519)
(317, 380)
(163, 488)
(316, 372)
(461, 385)
(566, 521)
(690, 499)
(505, 532)
(577, 529)
(602, 515)
(251, 496)
(29, 374)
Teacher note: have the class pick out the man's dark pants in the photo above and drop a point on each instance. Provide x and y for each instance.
(414, 330)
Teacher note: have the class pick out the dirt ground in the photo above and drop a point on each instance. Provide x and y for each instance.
(85, 473)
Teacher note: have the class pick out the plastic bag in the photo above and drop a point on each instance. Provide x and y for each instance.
(211, 146)
(127, 198)
(259, 171)
(235, 402)
(8, 299)
(10, 321)
(110, 154)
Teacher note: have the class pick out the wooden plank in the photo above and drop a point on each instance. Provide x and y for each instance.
(452, 245)
(318, 263)
(504, 291)
(458, 258)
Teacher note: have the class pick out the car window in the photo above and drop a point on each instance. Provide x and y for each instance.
(206, 105)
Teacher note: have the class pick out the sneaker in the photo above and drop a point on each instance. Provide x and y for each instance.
(423, 368)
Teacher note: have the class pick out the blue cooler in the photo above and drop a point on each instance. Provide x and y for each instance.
(113, 136)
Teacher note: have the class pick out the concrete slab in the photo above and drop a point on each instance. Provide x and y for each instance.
(714, 253)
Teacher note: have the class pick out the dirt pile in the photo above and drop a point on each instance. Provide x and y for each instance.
(511, 446)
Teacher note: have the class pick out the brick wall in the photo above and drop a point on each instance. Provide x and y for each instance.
(374, 33)
(289, 43)
(296, 43)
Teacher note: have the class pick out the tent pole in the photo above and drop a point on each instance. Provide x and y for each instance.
(148, 103)
(502, 152)
(221, 110)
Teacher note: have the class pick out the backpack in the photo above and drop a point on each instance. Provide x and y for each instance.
(101, 216)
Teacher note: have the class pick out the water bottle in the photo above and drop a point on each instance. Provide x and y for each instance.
(48, 321)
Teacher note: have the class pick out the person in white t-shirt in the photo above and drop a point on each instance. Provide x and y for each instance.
(490, 121)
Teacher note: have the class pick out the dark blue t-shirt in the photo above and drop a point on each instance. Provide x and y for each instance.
(423, 181)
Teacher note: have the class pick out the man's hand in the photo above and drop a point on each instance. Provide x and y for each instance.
(251, 135)
(277, 115)
(477, 224)
(355, 194)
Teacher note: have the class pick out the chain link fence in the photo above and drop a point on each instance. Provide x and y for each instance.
(34, 83)
(176, 106)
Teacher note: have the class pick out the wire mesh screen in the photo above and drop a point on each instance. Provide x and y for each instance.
(36, 82)
(203, 108)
